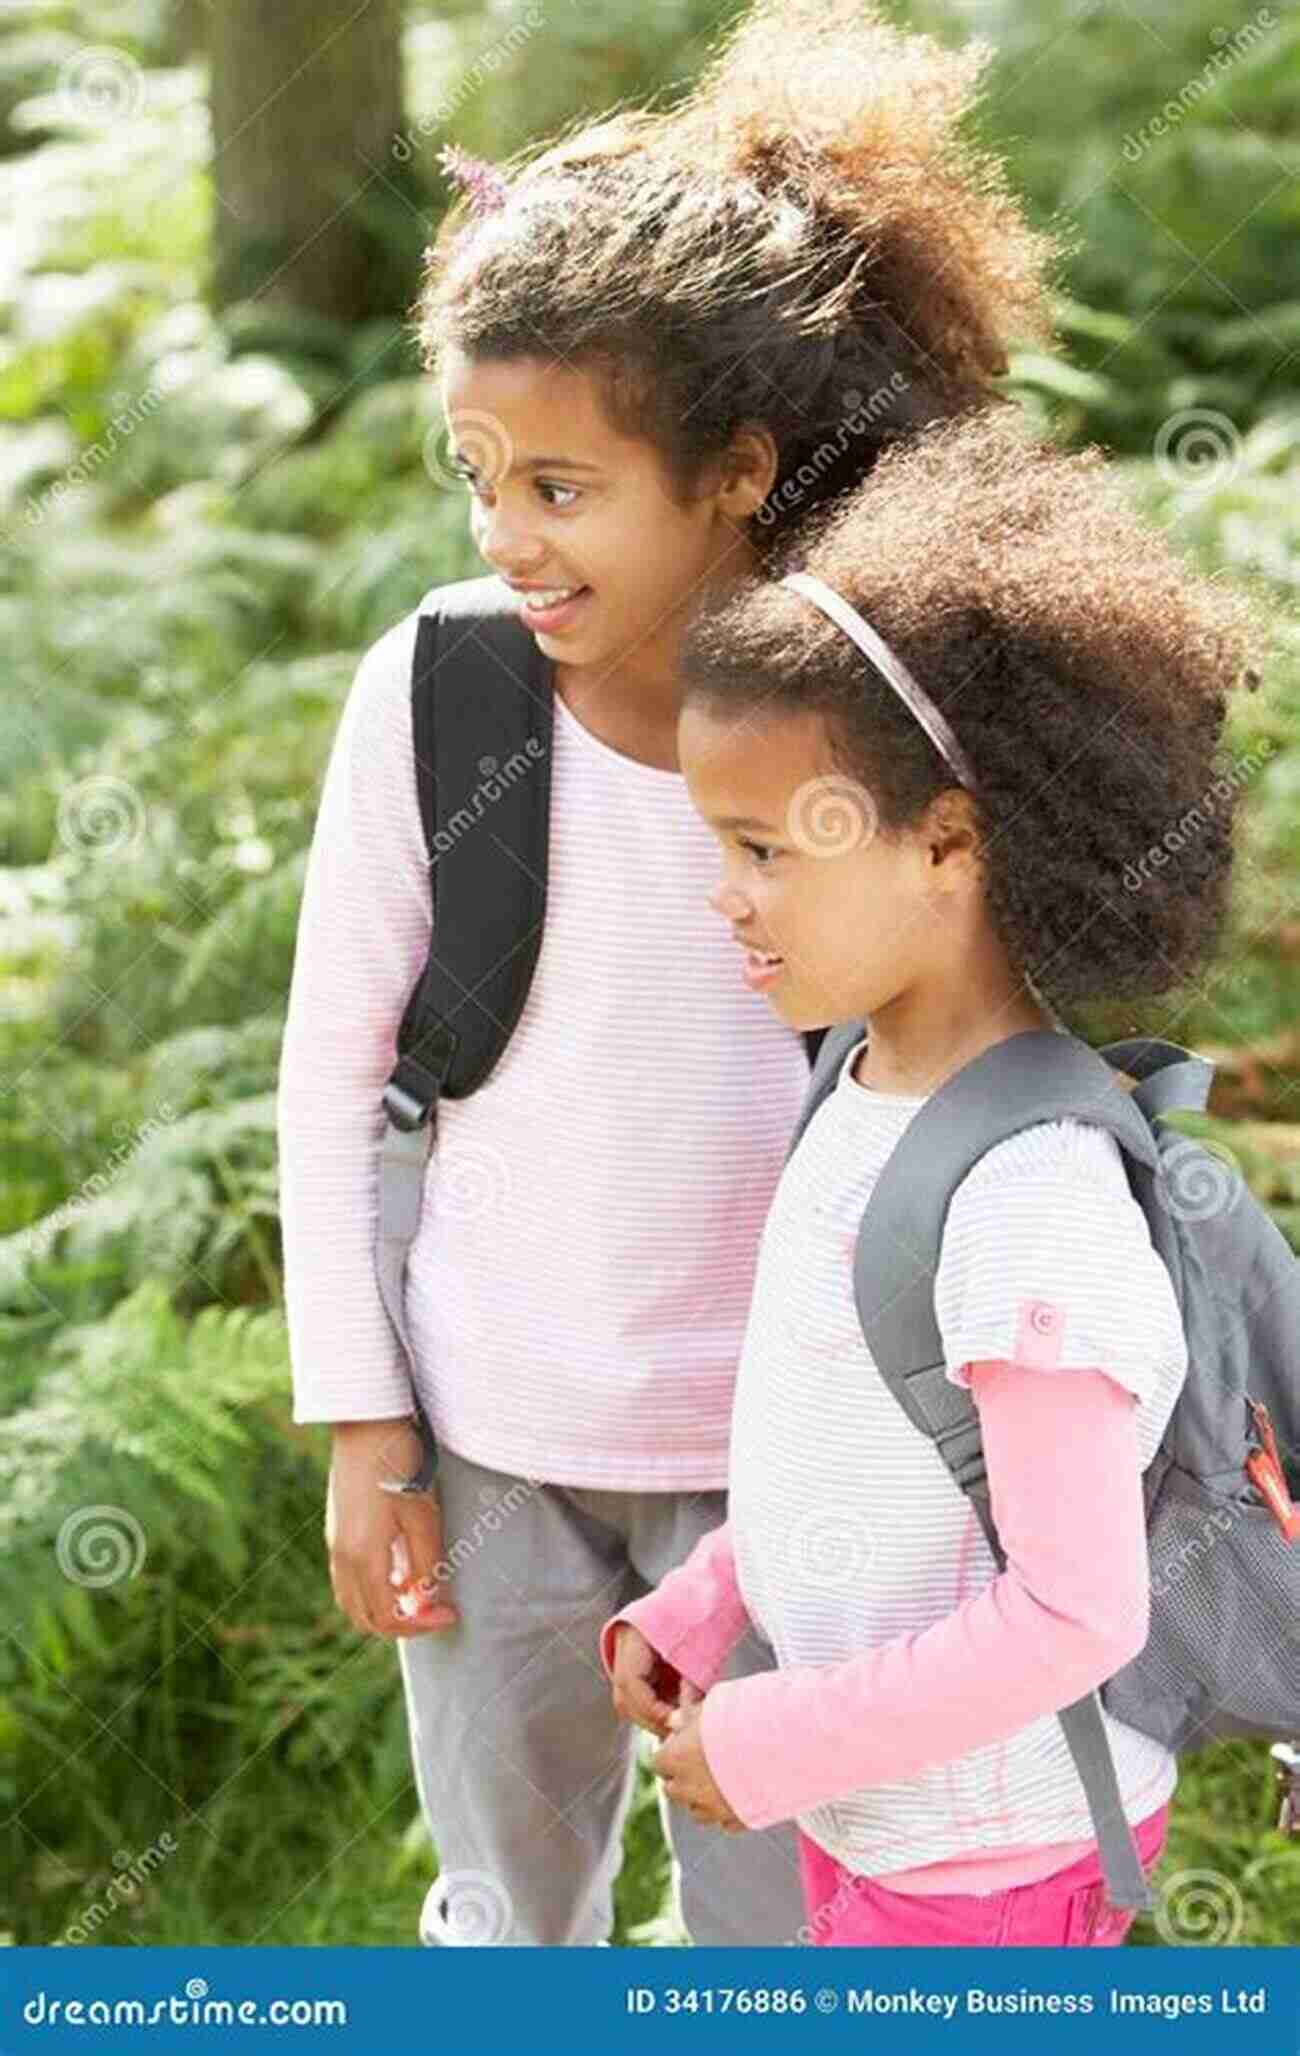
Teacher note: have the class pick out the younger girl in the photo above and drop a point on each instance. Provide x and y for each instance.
(940, 851)
(660, 345)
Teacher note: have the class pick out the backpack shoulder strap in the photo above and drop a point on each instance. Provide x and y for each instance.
(481, 720)
(1167, 1075)
(1038, 1076)
(826, 1054)
(482, 717)
(812, 1040)
(482, 714)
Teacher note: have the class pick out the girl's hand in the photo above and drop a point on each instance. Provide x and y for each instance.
(367, 1530)
(683, 1769)
(644, 1684)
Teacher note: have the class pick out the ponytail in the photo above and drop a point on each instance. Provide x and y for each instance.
(804, 243)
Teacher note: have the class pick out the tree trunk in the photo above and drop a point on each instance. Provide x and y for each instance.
(306, 100)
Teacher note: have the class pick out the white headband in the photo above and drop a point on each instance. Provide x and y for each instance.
(890, 667)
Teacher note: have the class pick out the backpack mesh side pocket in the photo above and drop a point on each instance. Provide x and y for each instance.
(1224, 1649)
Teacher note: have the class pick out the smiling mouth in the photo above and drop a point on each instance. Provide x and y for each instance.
(542, 612)
(761, 969)
(545, 597)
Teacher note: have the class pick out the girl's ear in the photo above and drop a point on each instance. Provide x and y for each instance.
(952, 832)
(749, 469)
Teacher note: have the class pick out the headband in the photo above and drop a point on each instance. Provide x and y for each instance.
(481, 182)
(890, 667)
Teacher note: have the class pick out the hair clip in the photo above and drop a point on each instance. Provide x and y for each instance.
(481, 181)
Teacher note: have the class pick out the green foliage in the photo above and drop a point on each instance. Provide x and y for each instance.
(205, 522)
(1162, 142)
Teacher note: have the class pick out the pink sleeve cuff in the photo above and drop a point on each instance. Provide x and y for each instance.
(695, 1615)
(1071, 1608)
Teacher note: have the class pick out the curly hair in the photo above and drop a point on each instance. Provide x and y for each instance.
(804, 243)
(1084, 668)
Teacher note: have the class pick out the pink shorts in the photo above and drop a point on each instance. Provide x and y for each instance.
(1067, 1909)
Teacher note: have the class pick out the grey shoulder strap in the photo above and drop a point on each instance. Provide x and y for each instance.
(1037, 1076)
(836, 1045)
(1168, 1076)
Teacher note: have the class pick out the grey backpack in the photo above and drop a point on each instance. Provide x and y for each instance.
(1223, 1654)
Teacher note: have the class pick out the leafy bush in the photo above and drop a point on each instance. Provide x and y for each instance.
(208, 518)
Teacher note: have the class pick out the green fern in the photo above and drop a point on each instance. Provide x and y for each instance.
(141, 1411)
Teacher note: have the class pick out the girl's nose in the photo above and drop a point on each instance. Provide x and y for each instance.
(507, 548)
(728, 900)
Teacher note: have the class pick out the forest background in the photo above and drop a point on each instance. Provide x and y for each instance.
(221, 476)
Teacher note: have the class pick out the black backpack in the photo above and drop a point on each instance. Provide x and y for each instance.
(482, 717)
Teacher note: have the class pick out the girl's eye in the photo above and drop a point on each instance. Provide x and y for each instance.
(467, 474)
(760, 851)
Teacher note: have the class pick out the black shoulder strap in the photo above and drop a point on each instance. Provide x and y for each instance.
(482, 714)
(813, 1038)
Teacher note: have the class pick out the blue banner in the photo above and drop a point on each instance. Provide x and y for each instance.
(486, 2000)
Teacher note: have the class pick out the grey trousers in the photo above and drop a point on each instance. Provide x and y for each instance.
(524, 1770)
